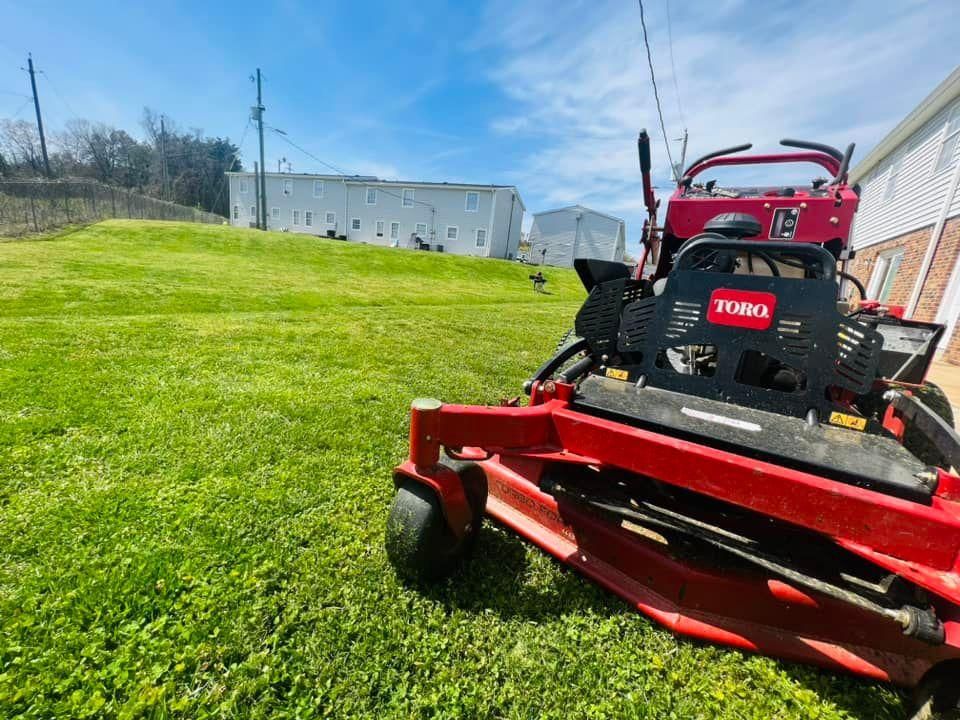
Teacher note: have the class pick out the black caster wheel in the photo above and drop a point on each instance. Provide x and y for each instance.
(419, 543)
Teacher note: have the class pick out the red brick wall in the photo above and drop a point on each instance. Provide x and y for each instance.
(915, 245)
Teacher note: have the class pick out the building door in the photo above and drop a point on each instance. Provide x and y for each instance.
(394, 234)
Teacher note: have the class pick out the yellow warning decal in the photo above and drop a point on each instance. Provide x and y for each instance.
(617, 374)
(848, 421)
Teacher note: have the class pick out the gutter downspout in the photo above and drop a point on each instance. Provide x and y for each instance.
(513, 201)
(932, 249)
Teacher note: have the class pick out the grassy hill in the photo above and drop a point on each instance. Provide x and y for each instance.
(197, 427)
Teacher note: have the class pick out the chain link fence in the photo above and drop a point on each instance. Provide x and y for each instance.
(34, 206)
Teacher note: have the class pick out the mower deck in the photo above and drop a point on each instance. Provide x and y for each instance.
(869, 461)
(712, 603)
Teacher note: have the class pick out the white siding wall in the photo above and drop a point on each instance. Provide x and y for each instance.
(435, 210)
(919, 192)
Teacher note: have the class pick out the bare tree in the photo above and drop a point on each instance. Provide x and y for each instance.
(20, 145)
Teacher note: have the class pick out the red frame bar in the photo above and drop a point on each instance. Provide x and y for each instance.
(922, 542)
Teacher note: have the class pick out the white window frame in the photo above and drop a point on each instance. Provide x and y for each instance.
(380, 228)
(416, 229)
(890, 189)
(456, 233)
(284, 185)
(403, 198)
(881, 270)
(367, 196)
(327, 215)
(322, 187)
(476, 237)
(466, 201)
(295, 218)
(308, 218)
(275, 213)
(356, 225)
(253, 211)
(244, 189)
(948, 144)
(236, 211)
(395, 224)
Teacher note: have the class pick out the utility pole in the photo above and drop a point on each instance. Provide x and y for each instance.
(263, 167)
(36, 105)
(256, 174)
(163, 160)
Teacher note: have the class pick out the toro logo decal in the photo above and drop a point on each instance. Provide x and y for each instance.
(742, 308)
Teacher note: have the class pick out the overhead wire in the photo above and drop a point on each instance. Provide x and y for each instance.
(340, 171)
(60, 97)
(673, 66)
(656, 93)
(233, 159)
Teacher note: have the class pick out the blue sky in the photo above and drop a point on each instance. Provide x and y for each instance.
(545, 95)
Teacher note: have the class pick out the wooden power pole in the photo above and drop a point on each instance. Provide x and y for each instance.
(36, 105)
(263, 166)
(163, 160)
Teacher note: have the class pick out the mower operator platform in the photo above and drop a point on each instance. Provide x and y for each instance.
(870, 461)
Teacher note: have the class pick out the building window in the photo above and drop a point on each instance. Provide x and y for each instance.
(472, 202)
(236, 212)
(318, 188)
(331, 218)
(253, 211)
(243, 186)
(355, 224)
(481, 237)
(275, 213)
(421, 229)
(949, 145)
(394, 231)
(379, 228)
(453, 232)
(371, 196)
(891, 187)
(884, 273)
(408, 197)
(308, 218)
(296, 217)
(288, 188)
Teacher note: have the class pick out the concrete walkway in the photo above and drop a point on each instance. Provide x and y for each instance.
(947, 377)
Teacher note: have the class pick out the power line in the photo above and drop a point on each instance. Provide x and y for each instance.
(673, 66)
(233, 159)
(20, 109)
(340, 171)
(60, 97)
(656, 94)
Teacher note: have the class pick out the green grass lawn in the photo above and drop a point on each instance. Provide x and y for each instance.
(197, 428)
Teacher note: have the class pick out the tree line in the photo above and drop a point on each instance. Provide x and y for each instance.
(185, 167)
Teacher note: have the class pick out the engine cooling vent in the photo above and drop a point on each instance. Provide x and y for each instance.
(684, 316)
(599, 319)
(795, 334)
(858, 353)
(634, 324)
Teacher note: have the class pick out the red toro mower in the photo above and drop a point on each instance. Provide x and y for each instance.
(728, 444)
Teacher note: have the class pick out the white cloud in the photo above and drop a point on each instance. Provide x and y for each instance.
(577, 77)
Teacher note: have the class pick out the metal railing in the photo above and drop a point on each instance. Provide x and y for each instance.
(35, 206)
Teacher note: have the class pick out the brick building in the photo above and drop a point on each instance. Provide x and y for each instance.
(907, 230)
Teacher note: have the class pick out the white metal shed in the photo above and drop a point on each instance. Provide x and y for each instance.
(558, 236)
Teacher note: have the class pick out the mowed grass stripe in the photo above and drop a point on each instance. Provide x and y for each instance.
(192, 501)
